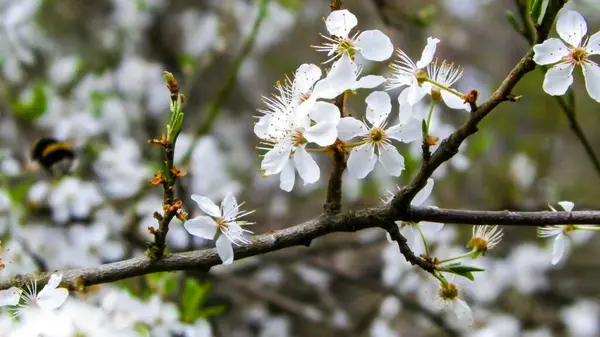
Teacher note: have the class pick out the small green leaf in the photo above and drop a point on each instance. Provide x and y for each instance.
(461, 270)
(537, 10)
(36, 106)
(510, 16)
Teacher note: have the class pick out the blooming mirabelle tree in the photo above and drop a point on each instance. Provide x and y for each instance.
(116, 253)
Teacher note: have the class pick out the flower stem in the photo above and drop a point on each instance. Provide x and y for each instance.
(431, 106)
(588, 228)
(441, 86)
(459, 257)
(423, 238)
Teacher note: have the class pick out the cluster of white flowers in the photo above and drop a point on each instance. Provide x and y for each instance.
(301, 113)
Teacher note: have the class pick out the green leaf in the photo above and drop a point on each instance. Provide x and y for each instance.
(537, 10)
(192, 299)
(510, 16)
(163, 283)
(36, 106)
(291, 5)
(461, 270)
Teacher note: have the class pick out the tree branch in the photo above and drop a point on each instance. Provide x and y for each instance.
(303, 234)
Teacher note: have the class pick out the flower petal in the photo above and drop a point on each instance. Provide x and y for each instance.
(368, 82)
(379, 106)
(571, 27)
(423, 194)
(428, 52)
(374, 45)
(454, 102)
(406, 110)
(550, 51)
(558, 249)
(323, 134)
(229, 206)
(567, 205)
(201, 226)
(591, 73)
(340, 78)
(52, 299)
(53, 282)
(261, 128)
(558, 79)
(340, 22)
(275, 159)
(362, 160)
(593, 45)
(430, 228)
(287, 178)
(306, 166)
(391, 160)
(350, 127)
(224, 249)
(325, 112)
(415, 93)
(463, 312)
(305, 77)
(10, 296)
(207, 206)
(406, 133)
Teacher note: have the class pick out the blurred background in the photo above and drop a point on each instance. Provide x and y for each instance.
(90, 72)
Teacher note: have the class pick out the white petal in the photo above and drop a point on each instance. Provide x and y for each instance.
(306, 166)
(53, 282)
(406, 133)
(52, 299)
(305, 77)
(10, 296)
(368, 82)
(591, 73)
(567, 205)
(558, 249)
(406, 110)
(550, 51)
(571, 27)
(340, 22)
(323, 134)
(593, 45)
(224, 249)
(230, 207)
(415, 93)
(558, 79)
(340, 78)
(410, 234)
(430, 228)
(379, 106)
(202, 226)
(428, 52)
(454, 102)
(362, 160)
(325, 112)
(350, 127)
(463, 312)
(275, 159)
(206, 205)
(391, 160)
(261, 128)
(374, 45)
(287, 178)
(423, 194)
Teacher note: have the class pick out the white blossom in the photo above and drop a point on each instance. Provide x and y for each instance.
(559, 232)
(571, 27)
(223, 223)
(376, 138)
(371, 44)
(10, 296)
(447, 300)
(49, 298)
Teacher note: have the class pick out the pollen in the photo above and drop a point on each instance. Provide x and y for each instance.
(448, 292)
(377, 135)
(578, 56)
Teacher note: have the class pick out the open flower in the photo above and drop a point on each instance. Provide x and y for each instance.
(411, 230)
(376, 138)
(447, 300)
(406, 73)
(222, 224)
(371, 44)
(571, 27)
(50, 297)
(485, 238)
(286, 128)
(10, 296)
(559, 232)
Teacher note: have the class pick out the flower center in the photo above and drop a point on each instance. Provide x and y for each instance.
(221, 224)
(304, 97)
(478, 243)
(568, 228)
(298, 137)
(346, 46)
(578, 56)
(448, 292)
(377, 135)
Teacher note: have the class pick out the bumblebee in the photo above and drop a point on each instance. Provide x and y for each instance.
(55, 156)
